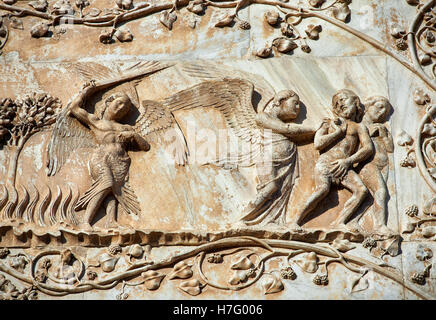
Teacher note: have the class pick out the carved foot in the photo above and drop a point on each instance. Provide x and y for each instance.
(383, 230)
(295, 227)
(85, 227)
(352, 227)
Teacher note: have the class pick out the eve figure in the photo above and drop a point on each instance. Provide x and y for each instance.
(374, 171)
(342, 143)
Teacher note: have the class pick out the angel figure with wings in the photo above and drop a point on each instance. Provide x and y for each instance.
(110, 140)
(267, 129)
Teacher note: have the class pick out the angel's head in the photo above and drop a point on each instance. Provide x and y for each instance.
(286, 104)
(377, 109)
(115, 107)
(346, 104)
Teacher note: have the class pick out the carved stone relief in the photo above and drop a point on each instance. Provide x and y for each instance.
(124, 175)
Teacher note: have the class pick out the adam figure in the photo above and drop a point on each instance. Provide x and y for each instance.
(343, 143)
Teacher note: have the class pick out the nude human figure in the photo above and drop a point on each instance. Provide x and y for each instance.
(109, 164)
(374, 172)
(342, 143)
(284, 107)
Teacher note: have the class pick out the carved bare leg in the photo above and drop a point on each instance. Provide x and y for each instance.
(322, 188)
(380, 207)
(92, 208)
(111, 212)
(354, 184)
(375, 182)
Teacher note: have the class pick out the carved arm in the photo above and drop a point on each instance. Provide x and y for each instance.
(366, 149)
(323, 139)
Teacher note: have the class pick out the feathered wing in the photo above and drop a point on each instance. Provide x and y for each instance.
(233, 98)
(157, 122)
(212, 71)
(68, 134)
(98, 72)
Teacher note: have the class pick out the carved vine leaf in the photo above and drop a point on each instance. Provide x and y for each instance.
(242, 263)
(272, 18)
(420, 97)
(341, 11)
(40, 5)
(423, 253)
(152, 279)
(19, 263)
(123, 35)
(429, 129)
(181, 270)
(39, 30)
(225, 21)
(308, 262)
(392, 246)
(192, 287)
(167, 19)
(343, 245)
(93, 12)
(242, 276)
(108, 262)
(272, 284)
(316, 3)
(8, 291)
(284, 45)
(428, 231)
(16, 23)
(197, 7)
(359, 283)
(404, 139)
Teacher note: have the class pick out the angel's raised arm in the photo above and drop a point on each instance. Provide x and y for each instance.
(75, 107)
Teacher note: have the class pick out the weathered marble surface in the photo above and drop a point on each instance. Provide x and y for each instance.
(187, 208)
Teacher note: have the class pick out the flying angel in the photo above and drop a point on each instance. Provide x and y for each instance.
(263, 125)
(109, 139)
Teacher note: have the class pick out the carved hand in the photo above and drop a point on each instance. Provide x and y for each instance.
(340, 168)
(88, 84)
(340, 125)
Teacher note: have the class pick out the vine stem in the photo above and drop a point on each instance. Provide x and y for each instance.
(418, 153)
(148, 9)
(215, 246)
(375, 43)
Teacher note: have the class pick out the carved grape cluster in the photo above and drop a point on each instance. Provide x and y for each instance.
(408, 162)
(114, 249)
(369, 243)
(418, 278)
(288, 274)
(321, 280)
(412, 211)
(4, 252)
(215, 258)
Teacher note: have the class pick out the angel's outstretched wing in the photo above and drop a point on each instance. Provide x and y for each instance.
(157, 122)
(68, 134)
(213, 71)
(98, 72)
(233, 98)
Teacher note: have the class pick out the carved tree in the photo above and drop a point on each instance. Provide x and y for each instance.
(19, 120)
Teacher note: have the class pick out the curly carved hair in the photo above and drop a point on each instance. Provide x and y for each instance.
(369, 102)
(338, 99)
(283, 95)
